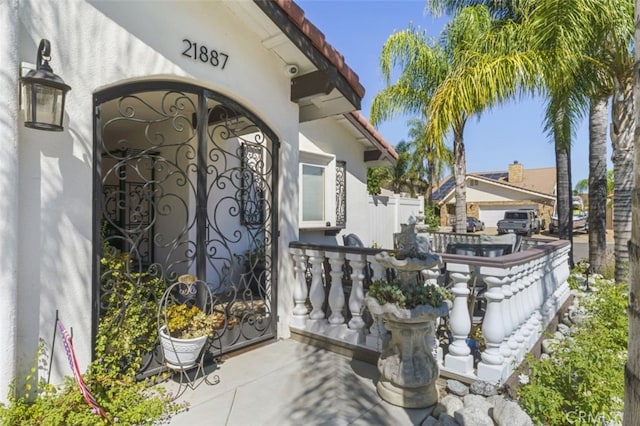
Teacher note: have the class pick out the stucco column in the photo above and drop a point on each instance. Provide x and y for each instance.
(9, 109)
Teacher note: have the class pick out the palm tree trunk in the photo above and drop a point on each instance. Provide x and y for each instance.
(460, 174)
(622, 128)
(632, 369)
(564, 199)
(598, 118)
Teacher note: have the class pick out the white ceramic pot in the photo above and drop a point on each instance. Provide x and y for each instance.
(180, 353)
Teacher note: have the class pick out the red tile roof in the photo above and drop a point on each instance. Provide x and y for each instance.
(317, 39)
(383, 144)
(296, 16)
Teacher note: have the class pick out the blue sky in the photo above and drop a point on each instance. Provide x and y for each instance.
(359, 28)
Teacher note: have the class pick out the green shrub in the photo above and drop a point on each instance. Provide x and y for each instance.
(126, 333)
(432, 218)
(583, 381)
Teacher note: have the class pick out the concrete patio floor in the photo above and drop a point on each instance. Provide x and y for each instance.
(291, 383)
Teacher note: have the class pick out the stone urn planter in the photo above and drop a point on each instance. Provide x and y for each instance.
(408, 306)
(408, 370)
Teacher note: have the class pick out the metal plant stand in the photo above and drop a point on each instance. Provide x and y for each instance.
(190, 361)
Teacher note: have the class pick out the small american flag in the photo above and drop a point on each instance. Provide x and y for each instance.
(73, 362)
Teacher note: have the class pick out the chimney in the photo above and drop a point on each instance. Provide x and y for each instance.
(516, 172)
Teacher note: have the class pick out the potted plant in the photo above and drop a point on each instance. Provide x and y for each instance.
(185, 327)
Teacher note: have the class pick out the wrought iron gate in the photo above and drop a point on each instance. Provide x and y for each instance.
(185, 182)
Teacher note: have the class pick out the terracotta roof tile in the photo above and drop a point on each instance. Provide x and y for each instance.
(384, 145)
(318, 40)
(296, 15)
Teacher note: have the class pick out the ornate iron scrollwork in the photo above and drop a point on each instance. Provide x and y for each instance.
(187, 178)
(341, 194)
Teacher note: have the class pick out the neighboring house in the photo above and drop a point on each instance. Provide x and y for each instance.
(490, 194)
(194, 133)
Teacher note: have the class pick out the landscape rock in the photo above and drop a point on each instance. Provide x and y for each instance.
(578, 319)
(473, 416)
(448, 404)
(564, 329)
(479, 402)
(509, 413)
(457, 388)
(483, 388)
(447, 420)
(549, 346)
(431, 421)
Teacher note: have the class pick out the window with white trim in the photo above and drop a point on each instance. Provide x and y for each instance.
(317, 190)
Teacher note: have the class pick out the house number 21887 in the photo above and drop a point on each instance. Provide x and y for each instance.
(200, 52)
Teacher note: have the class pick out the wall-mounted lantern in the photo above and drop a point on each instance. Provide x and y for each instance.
(44, 93)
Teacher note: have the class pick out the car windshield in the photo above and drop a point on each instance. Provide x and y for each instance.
(515, 215)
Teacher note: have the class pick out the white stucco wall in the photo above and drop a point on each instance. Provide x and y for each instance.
(95, 45)
(330, 136)
(9, 194)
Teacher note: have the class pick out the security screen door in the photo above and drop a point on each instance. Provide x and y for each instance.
(185, 182)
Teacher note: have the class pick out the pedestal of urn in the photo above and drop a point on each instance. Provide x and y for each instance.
(408, 369)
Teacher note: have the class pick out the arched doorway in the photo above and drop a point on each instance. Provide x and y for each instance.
(185, 182)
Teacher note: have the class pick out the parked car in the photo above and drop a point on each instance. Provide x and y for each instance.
(523, 222)
(474, 224)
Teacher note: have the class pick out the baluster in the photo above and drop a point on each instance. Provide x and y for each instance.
(431, 278)
(459, 358)
(376, 268)
(336, 292)
(377, 332)
(522, 333)
(509, 346)
(300, 291)
(516, 340)
(540, 291)
(529, 308)
(548, 290)
(316, 292)
(534, 293)
(356, 298)
(492, 367)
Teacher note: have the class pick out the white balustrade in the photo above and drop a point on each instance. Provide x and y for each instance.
(509, 347)
(355, 333)
(521, 300)
(316, 292)
(336, 292)
(517, 339)
(300, 290)
(459, 358)
(492, 368)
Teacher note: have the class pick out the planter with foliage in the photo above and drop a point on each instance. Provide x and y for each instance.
(408, 306)
(184, 326)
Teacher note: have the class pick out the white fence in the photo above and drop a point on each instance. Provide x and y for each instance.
(385, 214)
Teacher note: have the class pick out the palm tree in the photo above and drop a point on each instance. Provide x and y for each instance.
(425, 65)
(563, 35)
(632, 369)
(431, 156)
(582, 187)
(597, 183)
